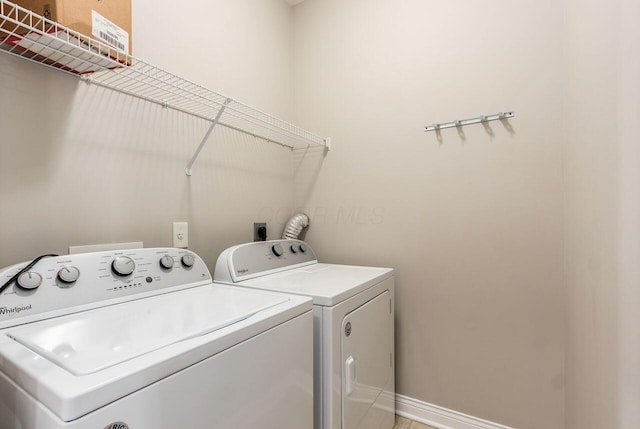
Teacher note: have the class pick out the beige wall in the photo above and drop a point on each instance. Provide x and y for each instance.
(81, 165)
(473, 226)
(602, 215)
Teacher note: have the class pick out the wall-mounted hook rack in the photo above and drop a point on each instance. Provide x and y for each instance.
(462, 122)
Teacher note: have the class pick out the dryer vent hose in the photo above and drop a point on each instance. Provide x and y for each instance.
(294, 227)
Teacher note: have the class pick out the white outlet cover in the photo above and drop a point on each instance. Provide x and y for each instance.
(181, 234)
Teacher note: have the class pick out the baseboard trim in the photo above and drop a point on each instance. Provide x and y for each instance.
(439, 417)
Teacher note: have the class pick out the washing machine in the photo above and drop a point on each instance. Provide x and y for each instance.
(142, 339)
(353, 312)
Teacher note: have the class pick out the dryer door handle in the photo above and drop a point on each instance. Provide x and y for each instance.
(350, 375)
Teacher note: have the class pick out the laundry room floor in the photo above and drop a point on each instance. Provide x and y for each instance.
(402, 423)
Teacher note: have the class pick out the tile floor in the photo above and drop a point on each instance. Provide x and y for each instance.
(402, 423)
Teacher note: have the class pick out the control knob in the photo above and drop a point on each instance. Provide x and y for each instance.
(123, 265)
(166, 262)
(29, 280)
(293, 249)
(303, 248)
(188, 260)
(68, 274)
(277, 250)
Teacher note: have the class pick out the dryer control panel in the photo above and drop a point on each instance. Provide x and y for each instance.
(61, 285)
(250, 260)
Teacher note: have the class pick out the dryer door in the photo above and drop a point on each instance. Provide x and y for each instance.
(367, 363)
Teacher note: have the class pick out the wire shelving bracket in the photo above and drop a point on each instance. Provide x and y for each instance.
(206, 137)
(28, 35)
(462, 122)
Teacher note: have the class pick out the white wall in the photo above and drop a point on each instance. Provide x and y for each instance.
(81, 165)
(603, 215)
(473, 226)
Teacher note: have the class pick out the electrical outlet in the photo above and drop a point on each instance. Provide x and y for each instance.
(259, 231)
(181, 234)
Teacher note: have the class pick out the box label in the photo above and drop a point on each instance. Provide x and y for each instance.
(109, 32)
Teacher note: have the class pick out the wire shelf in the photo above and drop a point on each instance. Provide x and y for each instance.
(33, 37)
(151, 83)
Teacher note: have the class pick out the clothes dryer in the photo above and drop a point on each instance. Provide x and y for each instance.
(353, 309)
(142, 339)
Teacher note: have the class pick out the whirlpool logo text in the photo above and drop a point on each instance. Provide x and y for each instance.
(12, 311)
(117, 425)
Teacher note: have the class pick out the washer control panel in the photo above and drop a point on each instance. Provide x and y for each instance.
(259, 258)
(67, 284)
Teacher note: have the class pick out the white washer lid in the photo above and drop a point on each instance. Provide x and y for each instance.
(89, 342)
(70, 396)
(327, 284)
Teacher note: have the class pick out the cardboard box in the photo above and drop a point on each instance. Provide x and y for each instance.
(106, 20)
